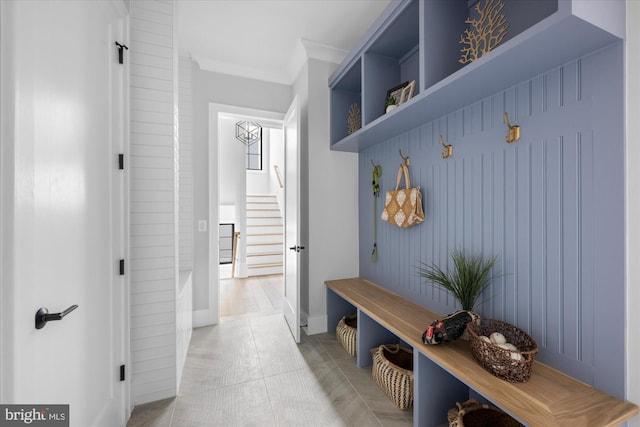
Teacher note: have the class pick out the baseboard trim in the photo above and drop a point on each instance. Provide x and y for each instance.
(203, 318)
(316, 324)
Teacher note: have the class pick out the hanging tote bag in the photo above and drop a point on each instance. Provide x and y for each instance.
(403, 207)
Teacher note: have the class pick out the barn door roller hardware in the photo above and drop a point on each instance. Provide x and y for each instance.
(121, 49)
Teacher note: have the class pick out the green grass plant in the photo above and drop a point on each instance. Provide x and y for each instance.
(466, 281)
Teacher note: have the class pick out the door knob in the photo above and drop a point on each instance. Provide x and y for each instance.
(43, 316)
(296, 248)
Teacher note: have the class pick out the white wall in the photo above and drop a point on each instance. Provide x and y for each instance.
(222, 89)
(185, 171)
(633, 202)
(258, 181)
(276, 155)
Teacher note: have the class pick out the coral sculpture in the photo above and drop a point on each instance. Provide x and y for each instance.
(354, 119)
(485, 32)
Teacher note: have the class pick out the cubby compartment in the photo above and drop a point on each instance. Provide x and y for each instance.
(391, 60)
(420, 40)
(346, 92)
(444, 25)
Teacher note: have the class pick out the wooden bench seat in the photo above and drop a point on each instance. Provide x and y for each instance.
(549, 398)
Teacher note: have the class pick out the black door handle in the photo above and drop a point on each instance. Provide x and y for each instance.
(296, 248)
(43, 316)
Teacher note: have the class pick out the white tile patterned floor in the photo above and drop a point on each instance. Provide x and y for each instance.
(247, 371)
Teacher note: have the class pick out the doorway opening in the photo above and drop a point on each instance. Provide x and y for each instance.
(246, 211)
(250, 197)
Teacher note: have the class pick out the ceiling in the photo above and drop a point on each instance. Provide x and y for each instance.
(270, 39)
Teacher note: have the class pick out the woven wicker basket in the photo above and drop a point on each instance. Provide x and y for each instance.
(498, 361)
(474, 414)
(393, 372)
(346, 332)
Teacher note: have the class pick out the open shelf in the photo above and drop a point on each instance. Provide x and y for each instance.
(557, 32)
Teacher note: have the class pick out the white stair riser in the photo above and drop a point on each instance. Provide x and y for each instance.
(272, 206)
(261, 199)
(264, 221)
(252, 250)
(264, 229)
(263, 213)
(264, 271)
(263, 259)
(249, 239)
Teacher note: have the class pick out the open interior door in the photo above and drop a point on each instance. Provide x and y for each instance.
(291, 219)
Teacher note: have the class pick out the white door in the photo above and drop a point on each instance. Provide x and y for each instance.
(294, 249)
(65, 95)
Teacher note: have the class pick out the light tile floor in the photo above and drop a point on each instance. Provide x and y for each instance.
(247, 371)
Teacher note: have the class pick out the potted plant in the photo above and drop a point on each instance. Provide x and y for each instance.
(467, 279)
(390, 103)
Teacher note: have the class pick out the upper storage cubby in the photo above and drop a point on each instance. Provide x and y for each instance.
(391, 60)
(420, 40)
(344, 94)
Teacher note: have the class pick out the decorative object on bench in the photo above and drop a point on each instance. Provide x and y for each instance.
(403, 207)
(393, 371)
(496, 356)
(466, 281)
(375, 184)
(449, 328)
(475, 414)
(354, 121)
(486, 31)
(346, 332)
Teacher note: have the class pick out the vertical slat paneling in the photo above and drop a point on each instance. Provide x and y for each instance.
(153, 198)
(533, 203)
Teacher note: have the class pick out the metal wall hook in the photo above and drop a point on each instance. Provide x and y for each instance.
(514, 131)
(407, 160)
(448, 149)
(43, 316)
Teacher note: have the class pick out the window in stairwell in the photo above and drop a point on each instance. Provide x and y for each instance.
(250, 134)
(254, 155)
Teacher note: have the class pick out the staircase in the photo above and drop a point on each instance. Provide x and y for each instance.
(265, 236)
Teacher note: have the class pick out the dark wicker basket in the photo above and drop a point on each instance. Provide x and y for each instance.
(474, 414)
(498, 361)
(346, 332)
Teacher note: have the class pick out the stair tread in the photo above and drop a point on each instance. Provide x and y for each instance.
(264, 234)
(274, 264)
(265, 254)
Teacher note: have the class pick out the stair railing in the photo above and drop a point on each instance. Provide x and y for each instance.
(236, 236)
(277, 169)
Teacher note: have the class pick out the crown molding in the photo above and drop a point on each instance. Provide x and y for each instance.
(308, 49)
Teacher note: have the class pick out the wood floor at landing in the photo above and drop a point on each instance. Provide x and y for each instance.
(247, 371)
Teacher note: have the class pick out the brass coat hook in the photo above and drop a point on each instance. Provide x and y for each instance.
(448, 149)
(514, 131)
(407, 160)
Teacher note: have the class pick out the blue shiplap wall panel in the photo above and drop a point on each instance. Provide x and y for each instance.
(550, 206)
